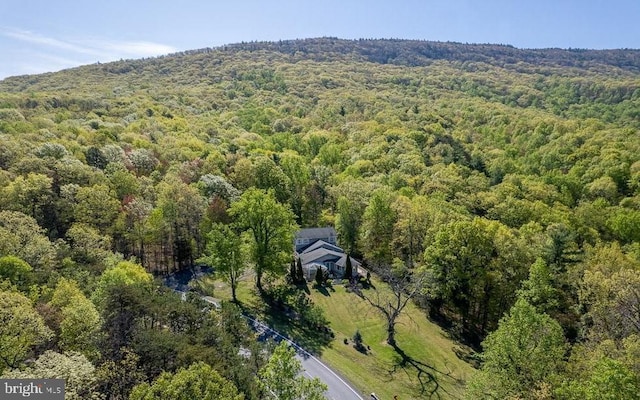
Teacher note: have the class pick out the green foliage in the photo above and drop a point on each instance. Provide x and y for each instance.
(76, 370)
(124, 273)
(17, 271)
(199, 381)
(79, 319)
(21, 236)
(539, 290)
(475, 268)
(225, 252)
(22, 328)
(270, 225)
(280, 378)
(320, 277)
(472, 160)
(377, 228)
(520, 356)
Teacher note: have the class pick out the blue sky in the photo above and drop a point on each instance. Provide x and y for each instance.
(39, 36)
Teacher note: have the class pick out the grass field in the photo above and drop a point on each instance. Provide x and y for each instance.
(433, 369)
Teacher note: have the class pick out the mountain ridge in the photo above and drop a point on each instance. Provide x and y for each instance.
(402, 52)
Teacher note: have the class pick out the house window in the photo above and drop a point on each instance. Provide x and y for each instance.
(298, 241)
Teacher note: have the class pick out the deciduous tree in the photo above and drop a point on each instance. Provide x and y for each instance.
(199, 381)
(225, 252)
(21, 329)
(280, 378)
(271, 226)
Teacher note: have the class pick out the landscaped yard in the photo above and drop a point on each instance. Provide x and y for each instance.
(381, 369)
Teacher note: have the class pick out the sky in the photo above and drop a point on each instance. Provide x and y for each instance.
(39, 36)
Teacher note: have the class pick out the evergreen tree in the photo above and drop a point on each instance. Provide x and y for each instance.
(299, 271)
(348, 269)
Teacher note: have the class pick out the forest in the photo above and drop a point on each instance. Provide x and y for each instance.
(503, 184)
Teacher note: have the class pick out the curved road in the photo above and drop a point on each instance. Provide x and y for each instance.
(338, 389)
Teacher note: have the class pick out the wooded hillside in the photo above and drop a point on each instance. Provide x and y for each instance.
(509, 178)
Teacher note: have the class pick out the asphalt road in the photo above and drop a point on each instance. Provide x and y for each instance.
(312, 367)
(338, 389)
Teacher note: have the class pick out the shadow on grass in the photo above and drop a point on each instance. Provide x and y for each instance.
(323, 290)
(428, 377)
(311, 336)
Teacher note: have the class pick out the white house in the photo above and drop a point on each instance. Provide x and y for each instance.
(317, 248)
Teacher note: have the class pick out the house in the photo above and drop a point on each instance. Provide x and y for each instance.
(308, 236)
(316, 248)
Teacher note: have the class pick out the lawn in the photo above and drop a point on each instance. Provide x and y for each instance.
(434, 370)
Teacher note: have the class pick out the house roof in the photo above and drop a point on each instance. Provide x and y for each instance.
(321, 253)
(343, 261)
(322, 244)
(316, 233)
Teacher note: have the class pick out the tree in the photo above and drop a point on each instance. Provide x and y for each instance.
(116, 378)
(181, 208)
(96, 207)
(539, 289)
(348, 222)
(377, 228)
(610, 293)
(475, 269)
(358, 342)
(603, 370)
(320, 277)
(296, 168)
(88, 246)
(21, 329)
(73, 367)
(225, 252)
(21, 236)
(281, 378)
(199, 381)
(299, 272)
(17, 271)
(348, 268)
(410, 229)
(403, 284)
(271, 226)
(521, 355)
(121, 298)
(80, 320)
(31, 195)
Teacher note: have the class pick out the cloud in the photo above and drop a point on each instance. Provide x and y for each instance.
(140, 49)
(95, 50)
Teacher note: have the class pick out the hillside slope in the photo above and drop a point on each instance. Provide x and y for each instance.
(501, 174)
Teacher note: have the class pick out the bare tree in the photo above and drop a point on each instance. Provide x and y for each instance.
(403, 284)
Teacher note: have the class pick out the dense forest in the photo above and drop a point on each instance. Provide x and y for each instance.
(506, 182)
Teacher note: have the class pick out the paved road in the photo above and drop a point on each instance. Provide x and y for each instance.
(312, 367)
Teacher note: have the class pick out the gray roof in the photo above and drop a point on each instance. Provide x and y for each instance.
(343, 261)
(316, 233)
(320, 254)
(322, 244)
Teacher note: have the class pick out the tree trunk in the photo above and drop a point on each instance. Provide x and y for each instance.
(391, 334)
(233, 292)
(259, 282)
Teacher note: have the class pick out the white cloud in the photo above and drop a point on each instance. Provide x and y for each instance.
(140, 49)
(64, 53)
(34, 38)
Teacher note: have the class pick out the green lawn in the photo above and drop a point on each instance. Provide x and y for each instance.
(381, 370)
